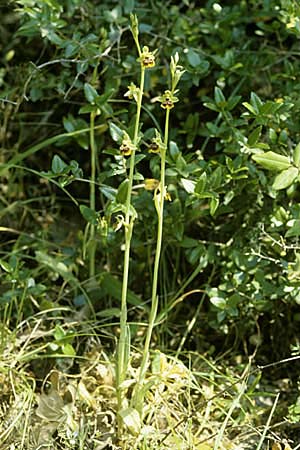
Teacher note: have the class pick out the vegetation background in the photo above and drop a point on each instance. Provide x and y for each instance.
(225, 369)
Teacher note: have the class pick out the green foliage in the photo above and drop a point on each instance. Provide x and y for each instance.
(232, 226)
(220, 198)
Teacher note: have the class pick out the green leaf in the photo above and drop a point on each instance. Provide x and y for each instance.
(122, 192)
(89, 108)
(254, 136)
(188, 242)
(294, 230)
(58, 165)
(35, 94)
(116, 132)
(174, 150)
(211, 106)
(228, 197)
(53, 37)
(256, 101)
(188, 185)
(285, 178)
(90, 93)
(269, 108)
(296, 155)
(59, 333)
(5, 266)
(69, 124)
(219, 302)
(219, 97)
(233, 101)
(201, 183)
(193, 58)
(215, 178)
(109, 192)
(272, 161)
(128, 6)
(68, 350)
(213, 205)
(102, 99)
(250, 108)
(89, 214)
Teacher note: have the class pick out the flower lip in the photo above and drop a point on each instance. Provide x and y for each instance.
(154, 148)
(167, 103)
(168, 99)
(147, 58)
(127, 146)
(125, 150)
(148, 61)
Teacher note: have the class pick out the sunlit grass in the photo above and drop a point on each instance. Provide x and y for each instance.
(198, 405)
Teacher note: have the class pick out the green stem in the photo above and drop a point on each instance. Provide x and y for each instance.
(93, 244)
(92, 240)
(123, 351)
(139, 395)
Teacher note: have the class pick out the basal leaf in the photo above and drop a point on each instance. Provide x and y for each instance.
(131, 419)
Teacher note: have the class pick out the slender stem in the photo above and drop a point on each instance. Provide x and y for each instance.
(92, 250)
(129, 220)
(92, 240)
(138, 395)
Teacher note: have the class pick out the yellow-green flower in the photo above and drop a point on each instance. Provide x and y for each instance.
(133, 92)
(157, 144)
(147, 58)
(151, 184)
(154, 148)
(168, 196)
(127, 146)
(167, 100)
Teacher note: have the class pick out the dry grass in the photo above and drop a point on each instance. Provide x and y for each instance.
(199, 405)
